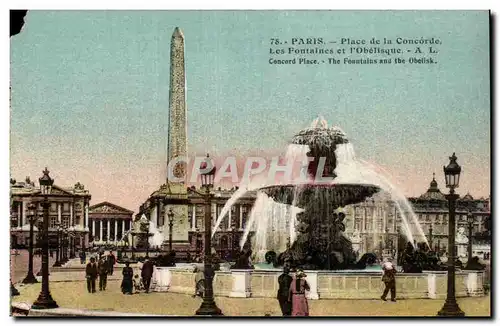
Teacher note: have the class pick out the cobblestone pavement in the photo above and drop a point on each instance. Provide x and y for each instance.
(75, 295)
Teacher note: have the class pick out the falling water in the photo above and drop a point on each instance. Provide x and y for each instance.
(156, 239)
(268, 218)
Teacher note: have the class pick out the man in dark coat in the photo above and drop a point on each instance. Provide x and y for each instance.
(147, 273)
(103, 269)
(91, 275)
(111, 262)
(284, 281)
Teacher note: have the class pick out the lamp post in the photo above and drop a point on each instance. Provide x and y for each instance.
(234, 243)
(452, 177)
(170, 228)
(148, 229)
(72, 246)
(430, 237)
(45, 300)
(199, 242)
(386, 238)
(470, 222)
(57, 263)
(398, 234)
(32, 217)
(65, 244)
(208, 306)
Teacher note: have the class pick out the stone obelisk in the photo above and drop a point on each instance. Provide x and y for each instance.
(175, 187)
(177, 131)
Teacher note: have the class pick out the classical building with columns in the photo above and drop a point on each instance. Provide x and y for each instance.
(68, 205)
(376, 223)
(108, 222)
(188, 230)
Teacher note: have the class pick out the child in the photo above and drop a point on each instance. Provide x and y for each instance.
(137, 283)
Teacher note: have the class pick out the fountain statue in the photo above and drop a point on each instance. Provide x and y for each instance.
(141, 233)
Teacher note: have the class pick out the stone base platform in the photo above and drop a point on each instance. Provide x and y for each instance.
(324, 284)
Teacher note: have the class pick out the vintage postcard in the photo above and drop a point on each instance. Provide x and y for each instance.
(250, 163)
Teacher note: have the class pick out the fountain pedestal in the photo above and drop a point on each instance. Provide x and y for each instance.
(241, 284)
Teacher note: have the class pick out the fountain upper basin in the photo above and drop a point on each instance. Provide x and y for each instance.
(339, 195)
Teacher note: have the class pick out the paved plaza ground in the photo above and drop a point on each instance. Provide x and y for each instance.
(19, 264)
(75, 295)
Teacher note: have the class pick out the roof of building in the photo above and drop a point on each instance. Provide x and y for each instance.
(108, 208)
(433, 193)
(30, 189)
(468, 196)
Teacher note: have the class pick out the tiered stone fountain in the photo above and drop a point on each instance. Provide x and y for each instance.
(320, 242)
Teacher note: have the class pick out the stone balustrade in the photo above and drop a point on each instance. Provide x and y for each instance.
(324, 284)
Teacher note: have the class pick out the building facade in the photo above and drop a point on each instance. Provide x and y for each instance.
(108, 223)
(432, 210)
(69, 208)
(379, 224)
(188, 230)
(374, 225)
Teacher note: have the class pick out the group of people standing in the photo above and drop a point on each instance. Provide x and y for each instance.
(292, 293)
(132, 283)
(101, 269)
(292, 289)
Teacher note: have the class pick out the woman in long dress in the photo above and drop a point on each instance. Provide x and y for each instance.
(298, 298)
(127, 282)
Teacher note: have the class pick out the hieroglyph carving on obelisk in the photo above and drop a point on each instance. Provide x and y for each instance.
(177, 132)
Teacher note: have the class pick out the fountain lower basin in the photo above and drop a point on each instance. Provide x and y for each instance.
(350, 284)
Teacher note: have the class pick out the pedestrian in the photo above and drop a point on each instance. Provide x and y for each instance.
(111, 262)
(283, 296)
(199, 281)
(83, 257)
(103, 269)
(91, 275)
(389, 278)
(138, 284)
(127, 283)
(297, 295)
(147, 273)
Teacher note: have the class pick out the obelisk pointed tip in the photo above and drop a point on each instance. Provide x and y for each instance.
(177, 33)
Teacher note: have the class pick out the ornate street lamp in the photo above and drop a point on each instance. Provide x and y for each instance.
(170, 228)
(208, 306)
(452, 177)
(32, 218)
(45, 300)
(57, 263)
(470, 224)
